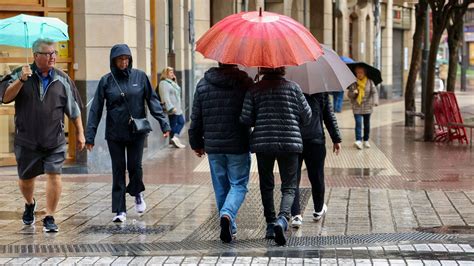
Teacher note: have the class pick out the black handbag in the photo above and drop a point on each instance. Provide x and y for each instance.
(139, 125)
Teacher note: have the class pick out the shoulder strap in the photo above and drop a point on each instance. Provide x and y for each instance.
(122, 94)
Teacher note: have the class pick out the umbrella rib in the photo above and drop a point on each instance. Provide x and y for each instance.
(306, 47)
(277, 28)
(293, 53)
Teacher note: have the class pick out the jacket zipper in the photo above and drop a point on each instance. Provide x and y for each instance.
(46, 90)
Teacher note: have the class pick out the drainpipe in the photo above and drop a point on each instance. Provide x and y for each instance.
(244, 6)
(193, 60)
(334, 30)
(378, 35)
(171, 54)
(305, 17)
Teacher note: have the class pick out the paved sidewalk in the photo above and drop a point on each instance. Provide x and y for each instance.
(379, 197)
(422, 254)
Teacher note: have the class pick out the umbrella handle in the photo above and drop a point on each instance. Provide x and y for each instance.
(257, 76)
(26, 42)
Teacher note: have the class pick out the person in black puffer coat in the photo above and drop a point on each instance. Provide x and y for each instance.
(215, 129)
(314, 154)
(276, 108)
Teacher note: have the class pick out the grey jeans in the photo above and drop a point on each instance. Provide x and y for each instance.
(288, 166)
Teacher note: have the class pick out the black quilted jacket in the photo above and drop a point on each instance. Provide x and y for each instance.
(216, 109)
(322, 113)
(276, 108)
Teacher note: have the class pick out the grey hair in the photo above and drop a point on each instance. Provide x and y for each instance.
(37, 44)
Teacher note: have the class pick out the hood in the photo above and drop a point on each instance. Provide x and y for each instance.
(225, 77)
(116, 51)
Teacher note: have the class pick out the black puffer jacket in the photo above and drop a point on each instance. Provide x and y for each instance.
(277, 109)
(322, 113)
(217, 105)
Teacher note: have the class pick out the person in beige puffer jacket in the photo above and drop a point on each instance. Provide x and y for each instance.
(364, 96)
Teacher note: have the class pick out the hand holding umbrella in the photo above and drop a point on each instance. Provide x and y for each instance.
(25, 73)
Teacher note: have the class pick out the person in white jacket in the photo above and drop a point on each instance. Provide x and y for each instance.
(170, 94)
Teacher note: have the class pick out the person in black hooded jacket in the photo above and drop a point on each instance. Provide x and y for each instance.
(215, 129)
(314, 154)
(124, 91)
(276, 108)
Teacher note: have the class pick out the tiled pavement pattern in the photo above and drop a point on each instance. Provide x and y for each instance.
(423, 254)
(187, 209)
(398, 185)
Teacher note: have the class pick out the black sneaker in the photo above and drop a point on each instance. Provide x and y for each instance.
(29, 213)
(49, 226)
(270, 232)
(226, 230)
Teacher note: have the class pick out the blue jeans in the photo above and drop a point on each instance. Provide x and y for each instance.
(230, 176)
(358, 126)
(338, 98)
(176, 124)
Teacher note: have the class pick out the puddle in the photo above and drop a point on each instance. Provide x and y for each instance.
(448, 229)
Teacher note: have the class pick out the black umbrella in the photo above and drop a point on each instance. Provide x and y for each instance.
(372, 73)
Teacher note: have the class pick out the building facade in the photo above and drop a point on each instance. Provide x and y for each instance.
(162, 33)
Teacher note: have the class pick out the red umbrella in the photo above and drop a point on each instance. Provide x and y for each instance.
(259, 39)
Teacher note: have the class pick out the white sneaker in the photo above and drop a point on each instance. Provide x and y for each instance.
(175, 141)
(358, 144)
(296, 221)
(120, 217)
(366, 144)
(318, 215)
(140, 205)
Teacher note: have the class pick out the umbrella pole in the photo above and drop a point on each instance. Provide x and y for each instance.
(26, 42)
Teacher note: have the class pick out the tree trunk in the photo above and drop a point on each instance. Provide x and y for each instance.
(453, 66)
(415, 63)
(429, 114)
(455, 32)
(440, 12)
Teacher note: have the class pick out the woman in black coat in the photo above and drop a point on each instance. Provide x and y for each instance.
(124, 91)
(276, 108)
(314, 154)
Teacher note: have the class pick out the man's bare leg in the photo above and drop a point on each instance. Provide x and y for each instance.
(27, 188)
(53, 193)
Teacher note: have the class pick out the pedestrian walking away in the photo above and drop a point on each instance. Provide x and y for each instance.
(43, 94)
(314, 154)
(364, 97)
(276, 108)
(224, 139)
(170, 94)
(124, 91)
(338, 100)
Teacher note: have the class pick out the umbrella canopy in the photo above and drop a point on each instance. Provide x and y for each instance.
(327, 73)
(259, 39)
(372, 73)
(346, 59)
(24, 30)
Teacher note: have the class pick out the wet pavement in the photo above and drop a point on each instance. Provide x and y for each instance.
(383, 204)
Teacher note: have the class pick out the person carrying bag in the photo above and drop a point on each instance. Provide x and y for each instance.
(126, 125)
